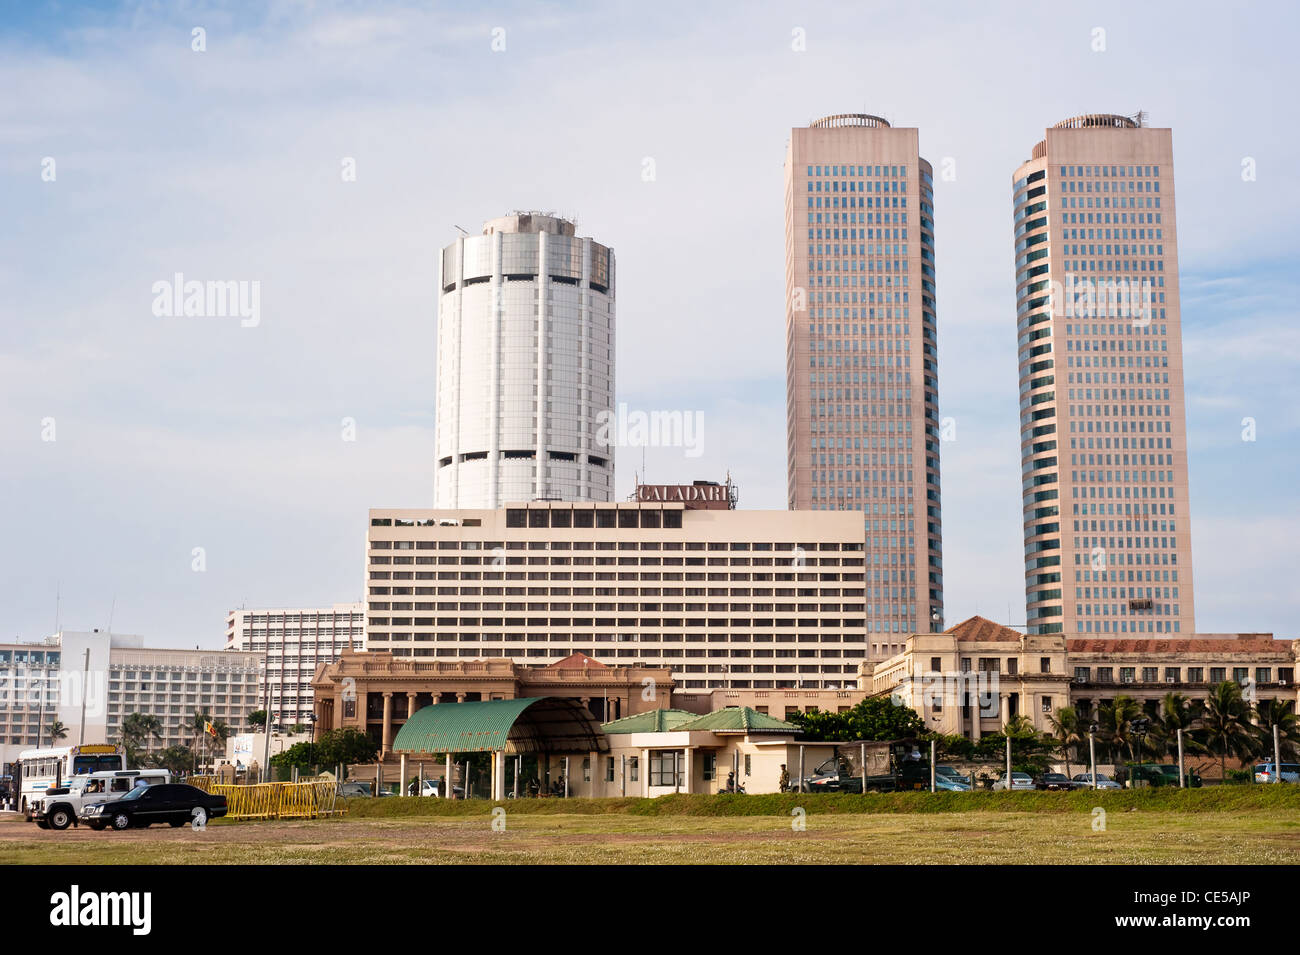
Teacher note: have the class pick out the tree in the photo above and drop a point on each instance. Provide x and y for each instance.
(1116, 723)
(876, 718)
(343, 746)
(215, 739)
(136, 732)
(257, 720)
(1225, 728)
(1064, 724)
(57, 732)
(177, 760)
(1280, 713)
(1177, 712)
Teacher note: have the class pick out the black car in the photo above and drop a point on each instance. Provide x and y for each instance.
(1058, 782)
(175, 804)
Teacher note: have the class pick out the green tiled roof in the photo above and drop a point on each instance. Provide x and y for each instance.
(651, 721)
(556, 725)
(739, 719)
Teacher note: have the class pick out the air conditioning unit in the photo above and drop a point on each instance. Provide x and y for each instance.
(1281, 682)
(1170, 679)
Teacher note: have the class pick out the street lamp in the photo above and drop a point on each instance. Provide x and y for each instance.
(1092, 753)
(311, 746)
(1140, 727)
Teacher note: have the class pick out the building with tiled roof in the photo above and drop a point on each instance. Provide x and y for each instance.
(976, 675)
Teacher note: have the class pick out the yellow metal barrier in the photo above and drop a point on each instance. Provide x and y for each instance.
(273, 800)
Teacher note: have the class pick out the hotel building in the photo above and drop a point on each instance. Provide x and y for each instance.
(295, 642)
(862, 357)
(1103, 438)
(525, 365)
(723, 599)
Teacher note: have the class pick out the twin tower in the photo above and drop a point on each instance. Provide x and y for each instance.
(526, 368)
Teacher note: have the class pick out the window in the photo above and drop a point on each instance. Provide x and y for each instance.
(710, 767)
(1047, 704)
(1240, 674)
(1013, 666)
(586, 769)
(1127, 674)
(663, 767)
(1044, 664)
(634, 768)
(1082, 674)
(1263, 674)
(1218, 674)
(1105, 675)
(935, 664)
(609, 769)
(1195, 675)
(1172, 674)
(747, 759)
(1150, 675)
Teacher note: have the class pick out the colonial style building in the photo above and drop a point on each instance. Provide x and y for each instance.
(974, 677)
(377, 693)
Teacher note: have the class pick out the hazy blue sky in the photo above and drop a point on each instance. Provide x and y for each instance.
(177, 433)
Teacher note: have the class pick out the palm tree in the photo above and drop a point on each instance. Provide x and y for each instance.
(57, 732)
(1176, 713)
(1117, 718)
(1279, 713)
(137, 730)
(1065, 728)
(1226, 729)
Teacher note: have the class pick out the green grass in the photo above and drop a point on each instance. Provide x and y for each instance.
(1002, 835)
(1211, 799)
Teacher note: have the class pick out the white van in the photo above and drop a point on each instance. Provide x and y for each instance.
(61, 807)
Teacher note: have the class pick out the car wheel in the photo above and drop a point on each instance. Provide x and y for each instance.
(97, 826)
(41, 823)
(60, 819)
(121, 821)
(175, 824)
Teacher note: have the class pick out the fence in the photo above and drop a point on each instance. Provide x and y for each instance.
(305, 800)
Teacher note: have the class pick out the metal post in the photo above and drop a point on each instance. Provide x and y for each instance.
(1008, 762)
(419, 783)
(1277, 755)
(623, 772)
(932, 783)
(566, 777)
(1182, 778)
(863, 757)
(1092, 755)
(518, 764)
(85, 681)
(801, 768)
(266, 725)
(446, 780)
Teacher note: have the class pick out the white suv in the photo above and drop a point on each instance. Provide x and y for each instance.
(60, 808)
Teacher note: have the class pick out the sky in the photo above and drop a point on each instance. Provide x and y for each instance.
(157, 471)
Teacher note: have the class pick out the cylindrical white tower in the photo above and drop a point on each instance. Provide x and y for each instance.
(525, 365)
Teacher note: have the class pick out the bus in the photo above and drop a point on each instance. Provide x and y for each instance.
(42, 769)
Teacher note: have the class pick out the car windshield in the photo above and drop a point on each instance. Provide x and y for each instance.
(136, 793)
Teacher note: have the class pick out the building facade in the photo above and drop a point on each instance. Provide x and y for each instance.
(973, 678)
(377, 692)
(91, 680)
(1103, 437)
(295, 641)
(862, 356)
(723, 599)
(525, 365)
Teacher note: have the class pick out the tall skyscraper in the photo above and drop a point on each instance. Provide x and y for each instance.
(1103, 439)
(862, 374)
(525, 365)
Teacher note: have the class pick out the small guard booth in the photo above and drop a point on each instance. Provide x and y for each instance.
(535, 726)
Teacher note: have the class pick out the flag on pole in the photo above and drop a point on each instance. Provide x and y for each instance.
(209, 728)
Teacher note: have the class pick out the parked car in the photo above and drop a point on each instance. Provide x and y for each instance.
(951, 773)
(1084, 781)
(433, 787)
(60, 807)
(950, 784)
(353, 789)
(1154, 774)
(1018, 781)
(1290, 773)
(1054, 782)
(174, 803)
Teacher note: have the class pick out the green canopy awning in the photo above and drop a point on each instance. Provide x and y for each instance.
(526, 725)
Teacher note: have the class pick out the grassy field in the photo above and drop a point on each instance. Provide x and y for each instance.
(1244, 825)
